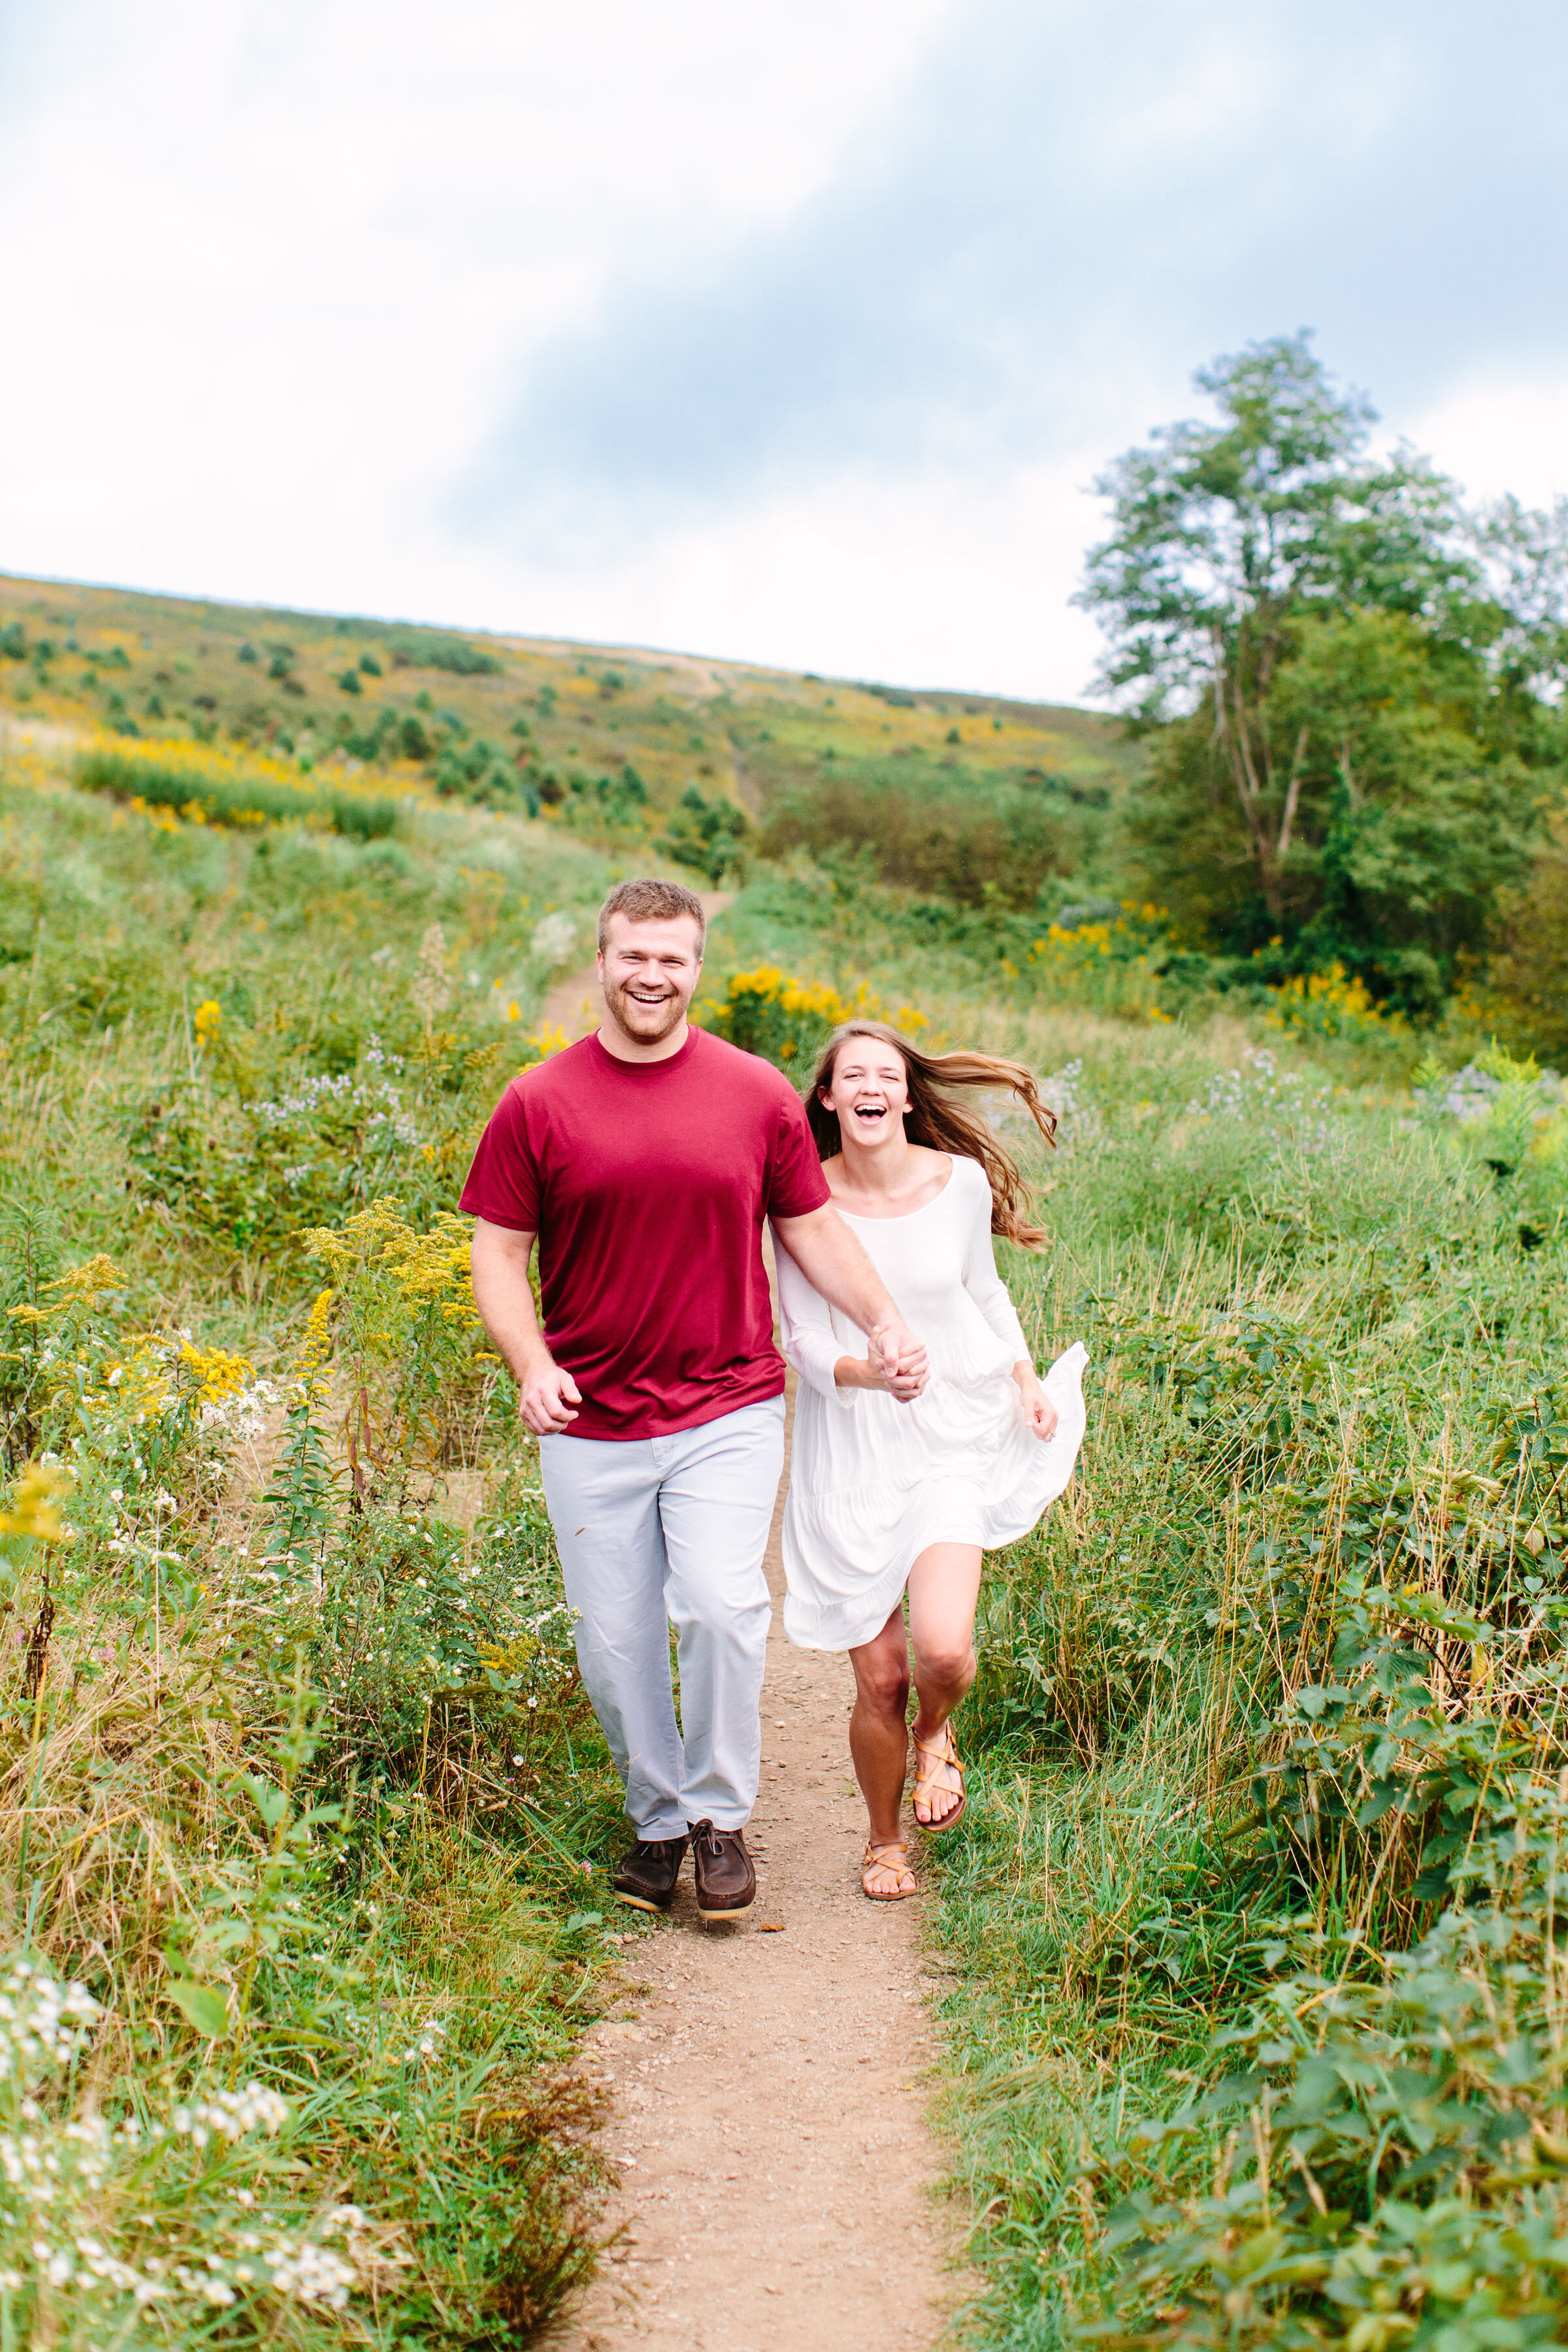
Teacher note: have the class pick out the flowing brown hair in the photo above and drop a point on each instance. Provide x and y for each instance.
(934, 1120)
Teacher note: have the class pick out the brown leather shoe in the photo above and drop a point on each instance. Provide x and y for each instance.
(648, 1871)
(726, 1882)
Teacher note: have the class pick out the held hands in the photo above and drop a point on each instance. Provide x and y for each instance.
(897, 1363)
(546, 1398)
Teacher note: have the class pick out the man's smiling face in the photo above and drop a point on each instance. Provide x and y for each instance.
(649, 968)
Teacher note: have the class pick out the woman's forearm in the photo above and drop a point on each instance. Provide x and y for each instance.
(854, 1372)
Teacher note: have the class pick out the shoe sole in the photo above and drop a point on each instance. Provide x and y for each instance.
(735, 1910)
(948, 1820)
(639, 1901)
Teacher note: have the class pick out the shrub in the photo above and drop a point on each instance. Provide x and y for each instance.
(1386, 2163)
(788, 1021)
(1332, 1004)
(167, 775)
(427, 650)
(703, 834)
(976, 840)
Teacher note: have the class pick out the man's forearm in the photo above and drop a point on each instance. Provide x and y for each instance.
(505, 1297)
(546, 1393)
(837, 1268)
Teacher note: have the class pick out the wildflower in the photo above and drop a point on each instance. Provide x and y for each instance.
(206, 1021)
(431, 988)
(35, 1503)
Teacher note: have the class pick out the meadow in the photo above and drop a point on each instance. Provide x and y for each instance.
(1251, 1974)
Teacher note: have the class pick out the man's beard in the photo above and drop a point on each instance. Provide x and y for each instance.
(650, 1024)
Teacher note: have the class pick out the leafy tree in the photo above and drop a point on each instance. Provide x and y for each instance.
(1316, 642)
(1527, 998)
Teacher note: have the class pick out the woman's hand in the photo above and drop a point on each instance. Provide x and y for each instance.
(904, 1381)
(1040, 1412)
(897, 1357)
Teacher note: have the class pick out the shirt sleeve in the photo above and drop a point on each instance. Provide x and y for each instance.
(796, 1184)
(503, 1185)
(980, 1279)
(806, 1330)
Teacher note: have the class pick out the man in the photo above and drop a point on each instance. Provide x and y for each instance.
(645, 1159)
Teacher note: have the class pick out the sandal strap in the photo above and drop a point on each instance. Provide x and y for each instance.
(878, 1857)
(947, 1747)
(947, 1761)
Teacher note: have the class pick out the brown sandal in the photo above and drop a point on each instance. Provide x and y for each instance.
(880, 1857)
(946, 1773)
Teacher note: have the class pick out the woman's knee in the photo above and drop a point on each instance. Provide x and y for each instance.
(884, 1691)
(945, 1665)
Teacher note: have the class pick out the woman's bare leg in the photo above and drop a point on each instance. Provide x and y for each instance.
(879, 1731)
(944, 1585)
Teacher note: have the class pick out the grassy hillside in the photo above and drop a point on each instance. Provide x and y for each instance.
(1256, 1990)
(709, 759)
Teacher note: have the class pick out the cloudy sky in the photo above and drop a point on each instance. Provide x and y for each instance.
(794, 333)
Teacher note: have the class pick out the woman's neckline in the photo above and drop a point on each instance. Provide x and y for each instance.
(903, 1215)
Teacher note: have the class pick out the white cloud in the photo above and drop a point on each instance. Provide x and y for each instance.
(1496, 433)
(268, 268)
(825, 312)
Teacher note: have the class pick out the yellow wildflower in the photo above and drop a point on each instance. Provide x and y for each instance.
(217, 1375)
(35, 1503)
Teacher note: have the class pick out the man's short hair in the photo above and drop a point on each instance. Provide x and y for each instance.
(647, 901)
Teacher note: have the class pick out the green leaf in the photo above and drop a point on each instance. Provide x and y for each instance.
(201, 2005)
(583, 1919)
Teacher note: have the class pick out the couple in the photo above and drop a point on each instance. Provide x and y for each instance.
(645, 1160)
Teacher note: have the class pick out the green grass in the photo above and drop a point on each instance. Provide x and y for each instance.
(1326, 1455)
(696, 762)
(294, 1774)
(362, 817)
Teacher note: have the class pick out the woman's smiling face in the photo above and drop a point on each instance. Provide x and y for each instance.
(868, 1092)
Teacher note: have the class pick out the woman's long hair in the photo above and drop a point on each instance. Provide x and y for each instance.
(934, 1119)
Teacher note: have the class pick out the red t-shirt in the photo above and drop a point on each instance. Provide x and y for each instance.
(647, 1183)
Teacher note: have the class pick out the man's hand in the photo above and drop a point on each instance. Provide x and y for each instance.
(546, 1398)
(899, 1358)
(833, 1261)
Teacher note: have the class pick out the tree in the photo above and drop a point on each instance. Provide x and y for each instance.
(1306, 634)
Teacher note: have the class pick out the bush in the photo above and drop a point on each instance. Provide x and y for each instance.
(788, 1021)
(1386, 2164)
(704, 835)
(974, 840)
(164, 778)
(454, 654)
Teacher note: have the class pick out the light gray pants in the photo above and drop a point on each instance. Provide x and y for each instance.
(671, 1531)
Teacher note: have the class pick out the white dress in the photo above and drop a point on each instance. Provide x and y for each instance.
(873, 1482)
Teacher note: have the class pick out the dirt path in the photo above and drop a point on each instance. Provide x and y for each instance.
(766, 2103)
(574, 1003)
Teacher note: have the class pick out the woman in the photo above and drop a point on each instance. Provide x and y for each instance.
(902, 1481)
